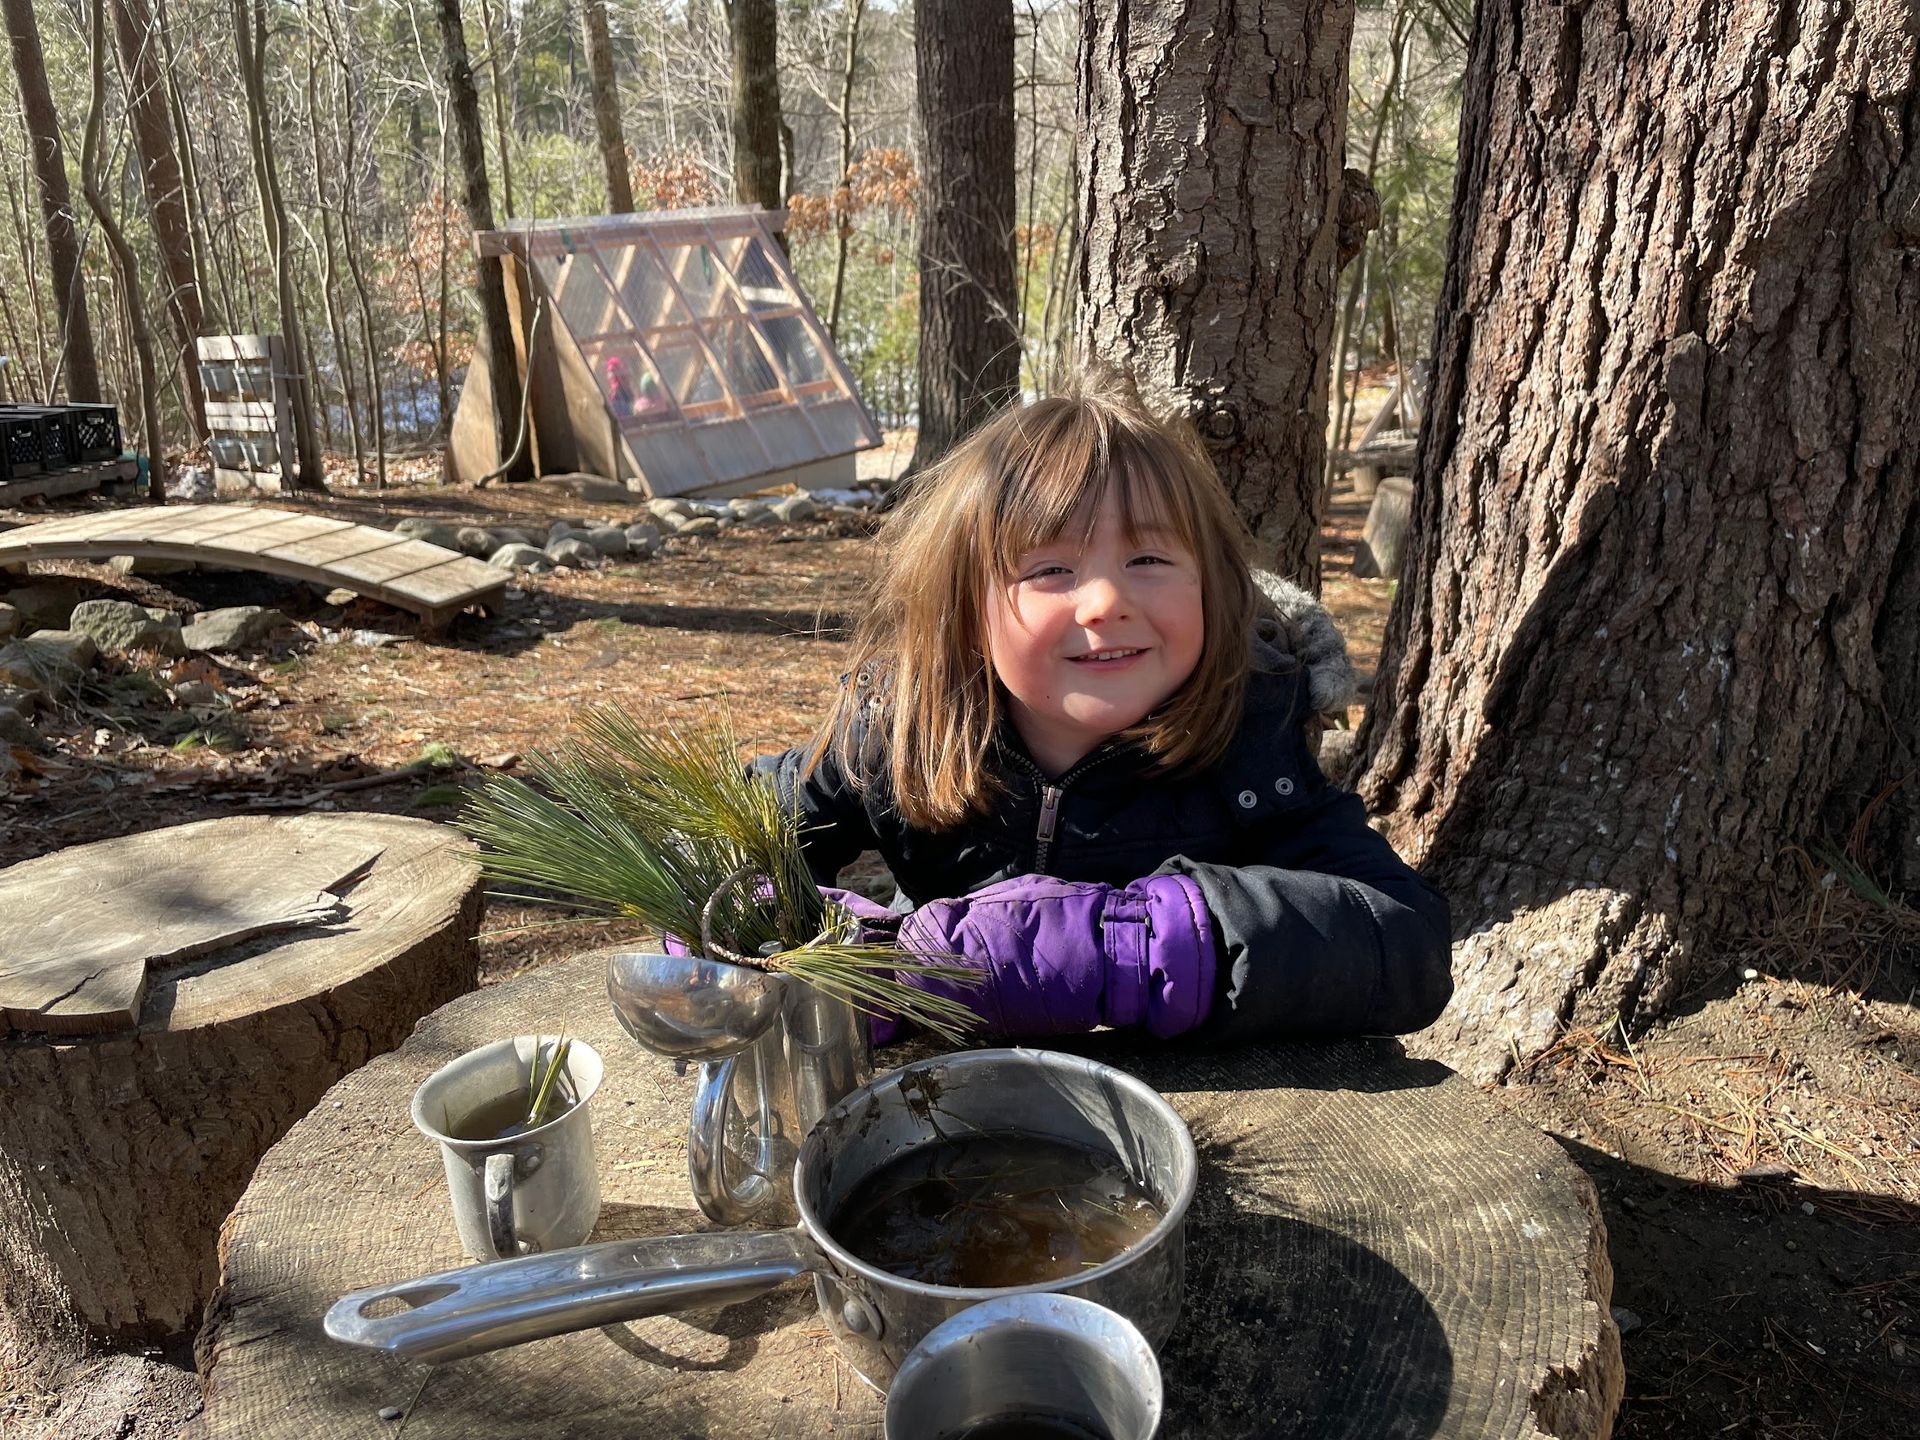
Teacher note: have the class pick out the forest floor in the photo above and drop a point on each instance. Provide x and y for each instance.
(1757, 1154)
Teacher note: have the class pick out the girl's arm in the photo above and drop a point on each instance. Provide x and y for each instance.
(1326, 932)
(835, 825)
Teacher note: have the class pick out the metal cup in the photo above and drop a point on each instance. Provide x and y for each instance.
(1033, 1357)
(529, 1192)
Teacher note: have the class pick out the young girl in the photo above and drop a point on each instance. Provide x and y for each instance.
(1078, 734)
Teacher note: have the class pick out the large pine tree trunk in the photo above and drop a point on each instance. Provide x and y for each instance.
(56, 200)
(1658, 616)
(969, 328)
(1211, 136)
(606, 108)
(140, 55)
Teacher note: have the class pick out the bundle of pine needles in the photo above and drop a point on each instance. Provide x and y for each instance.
(661, 826)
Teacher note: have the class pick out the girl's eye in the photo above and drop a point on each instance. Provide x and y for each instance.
(1150, 560)
(1043, 572)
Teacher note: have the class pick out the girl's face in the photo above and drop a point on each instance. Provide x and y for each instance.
(1093, 633)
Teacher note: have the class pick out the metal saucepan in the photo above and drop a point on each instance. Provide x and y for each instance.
(876, 1317)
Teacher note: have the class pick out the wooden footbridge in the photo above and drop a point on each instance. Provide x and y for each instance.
(433, 582)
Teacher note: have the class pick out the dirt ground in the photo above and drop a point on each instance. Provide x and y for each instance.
(1757, 1154)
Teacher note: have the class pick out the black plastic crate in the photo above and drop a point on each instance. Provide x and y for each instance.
(96, 432)
(22, 444)
(57, 450)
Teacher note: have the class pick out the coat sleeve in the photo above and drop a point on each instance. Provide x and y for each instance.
(1325, 932)
(834, 821)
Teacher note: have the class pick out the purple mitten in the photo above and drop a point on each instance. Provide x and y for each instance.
(1061, 957)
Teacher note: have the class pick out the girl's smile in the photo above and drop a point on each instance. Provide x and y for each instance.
(1094, 631)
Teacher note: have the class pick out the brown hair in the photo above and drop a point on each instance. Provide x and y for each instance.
(920, 668)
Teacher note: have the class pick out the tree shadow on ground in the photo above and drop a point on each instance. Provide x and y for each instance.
(1771, 1311)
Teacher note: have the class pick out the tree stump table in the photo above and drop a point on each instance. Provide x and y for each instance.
(1375, 1251)
(170, 1003)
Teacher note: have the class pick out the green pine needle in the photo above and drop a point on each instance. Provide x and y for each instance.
(650, 824)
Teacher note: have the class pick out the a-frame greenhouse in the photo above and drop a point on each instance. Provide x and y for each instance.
(673, 351)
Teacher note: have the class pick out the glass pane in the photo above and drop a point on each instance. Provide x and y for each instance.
(633, 394)
(794, 347)
(689, 378)
(585, 304)
(759, 281)
(697, 269)
(741, 359)
(644, 290)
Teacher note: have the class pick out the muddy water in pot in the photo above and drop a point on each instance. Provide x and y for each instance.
(988, 1211)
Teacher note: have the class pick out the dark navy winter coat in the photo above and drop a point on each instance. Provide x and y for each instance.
(1319, 928)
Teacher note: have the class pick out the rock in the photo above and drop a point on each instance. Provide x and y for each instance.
(1626, 1320)
(589, 487)
(434, 532)
(119, 627)
(643, 537)
(700, 525)
(49, 663)
(506, 535)
(15, 727)
(796, 508)
(195, 692)
(474, 541)
(520, 557)
(10, 617)
(574, 554)
(232, 628)
(149, 565)
(342, 597)
(45, 606)
(609, 540)
(663, 508)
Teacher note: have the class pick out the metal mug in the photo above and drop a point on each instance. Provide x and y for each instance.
(1028, 1357)
(529, 1192)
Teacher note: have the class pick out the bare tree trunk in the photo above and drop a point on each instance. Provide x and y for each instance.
(250, 38)
(1211, 136)
(755, 28)
(348, 135)
(125, 262)
(1658, 611)
(496, 334)
(330, 269)
(842, 195)
(166, 196)
(606, 105)
(969, 334)
(56, 201)
(497, 89)
(192, 197)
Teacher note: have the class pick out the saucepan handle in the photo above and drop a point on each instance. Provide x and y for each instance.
(457, 1313)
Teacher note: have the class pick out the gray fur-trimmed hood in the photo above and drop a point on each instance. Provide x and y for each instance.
(1291, 622)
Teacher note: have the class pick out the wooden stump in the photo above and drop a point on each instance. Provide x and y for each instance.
(1366, 481)
(122, 1150)
(1384, 540)
(1375, 1251)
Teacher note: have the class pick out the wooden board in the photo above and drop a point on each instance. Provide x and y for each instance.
(79, 928)
(280, 542)
(121, 1153)
(1376, 1251)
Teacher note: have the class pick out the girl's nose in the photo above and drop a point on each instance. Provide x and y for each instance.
(1100, 598)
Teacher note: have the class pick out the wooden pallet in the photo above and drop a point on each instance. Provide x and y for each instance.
(434, 583)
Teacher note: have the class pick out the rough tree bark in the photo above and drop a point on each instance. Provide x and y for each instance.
(758, 172)
(250, 42)
(1217, 217)
(140, 58)
(843, 188)
(495, 339)
(606, 106)
(56, 200)
(969, 332)
(1657, 621)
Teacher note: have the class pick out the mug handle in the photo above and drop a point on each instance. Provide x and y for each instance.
(498, 1190)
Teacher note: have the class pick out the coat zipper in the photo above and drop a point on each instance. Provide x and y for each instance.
(1051, 793)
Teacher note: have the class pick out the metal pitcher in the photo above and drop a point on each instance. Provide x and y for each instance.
(774, 1056)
